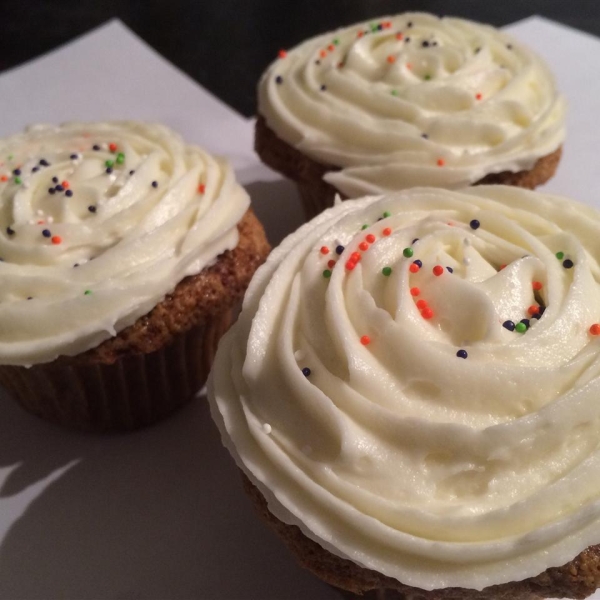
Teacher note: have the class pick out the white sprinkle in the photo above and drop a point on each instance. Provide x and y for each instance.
(267, 428)
(50, 219)
(467, 242)
(39, 212)
(112, 176)
(104, 146)
(466, 261)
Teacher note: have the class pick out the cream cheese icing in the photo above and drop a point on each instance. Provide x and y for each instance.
(414, 382)
(98, 222)
(414, 100)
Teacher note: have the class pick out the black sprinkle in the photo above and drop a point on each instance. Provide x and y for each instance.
(379, 27)
(425, 136)
(568, 263)
(51, 191)
(474, 224)
(131, 172)
(59, 188)
(95, 147)
(415, 241)
(425, 44)
(434, 43)
(92, 208)
(409, 24)
(323, 87)
(47, 233)
(108, 170)
(10, 231)
(306, 371)
(279, 79)
(44, 163)
(477, 50)
(74, 156)
(525, 322)
(17, 172)
(35, 169)
(155, 184)
(29, 297)
(55, 180)
(462, 354)
(317, 62)
(75, 265)
(508, 325)
(339, 249)
(407, 40)
(418, 263)
(509, 46)
(69, 193)
(450, 269)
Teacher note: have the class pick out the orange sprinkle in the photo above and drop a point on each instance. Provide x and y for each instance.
(323, 53)
(421, 304)
(56, 239)
(537, 285)
(370, 238)
(324, 250)
(438, 270)
(66, 185)
(282, 53)
(415, 291)
(534, 309)
(387, 231)
(331, 47)
(360, 34)
(201, 188)
(409, 66)
(112, 147)
(595, 329)
(4, 178)
(331, 264)
(391, 59)
(350, 264)
(355, 256)
(41, 222)
(365, 340)
(478, 96)
(413, 268)
(399, 36)
(363, 246)
(441, 162)
(427, 313)
(387, 24)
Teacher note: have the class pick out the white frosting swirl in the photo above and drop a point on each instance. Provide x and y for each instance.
(147, 208)
(363, 98)
(399, 454)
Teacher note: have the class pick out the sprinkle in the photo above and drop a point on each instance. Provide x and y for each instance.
(360, 34)
(477, 50)
(533, 309)
(408, 65)
(69, 193)
(327, 273)
(201, 188)
(427, 77)
(421, 304)
(4, 178)
(65, 184)
(568, 263)
(509, 46)
(109, 170)
(387, 231)
(96, 147)
(450, 269)
(363, 246)
(87, 293)
(521, 327)
(18, 180)
(282, 53)
(427, 313)
(131, 172)
(560, 255)
(74, 156)
(387, 214)
(51, 191)
(47, 233)
(35, 169)
(408, 252)
(478, 96)
(339, 249)
(595, 329)
(279, 80)
(56, 239)
(409, 24)
(418, 263)
(92, 208)
(438, 270)
(365, 340)
(508, 325)
(336, 41)
(324, 250)
(537, 285)
(323, 87)
(425, 44)
(17, 172)
(414, 268)
(267, 428)
(394, 92)
(306, 372)
(331, 47)
(415, 291)
(120, 158)
(350, 264)
(399, 36)
(387, 271)
(155, 184)
(323, 53)
(474, 224)
(391, 59)
(415, 241)
(10, 231)
(331, 263)
(59, 188)
(112, 147)
(370, 238)
(462, 354)
(364, 227)
(44, 163)
(441, 162)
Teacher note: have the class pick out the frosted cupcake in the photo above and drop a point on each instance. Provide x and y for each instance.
(124, 255)
(411, 392)
(406, 101)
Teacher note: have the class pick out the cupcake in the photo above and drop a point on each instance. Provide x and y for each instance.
(124, 257)
(408, 101)
(411, 392)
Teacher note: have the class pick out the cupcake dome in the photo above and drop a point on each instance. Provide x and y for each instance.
(413, 100)
(413, 383)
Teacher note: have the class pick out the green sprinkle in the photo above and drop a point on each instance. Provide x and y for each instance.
(394, 92)
(327, 273)
(387, 214)
(521, 327)
(387, 271)
(88, 292)
(560, 255)
(408, 252)
(364, 226)
(336, 41)
(18, 180)
(109, 163)
(373, 26)
(120, 158)
(427, 77)
(11, 156)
